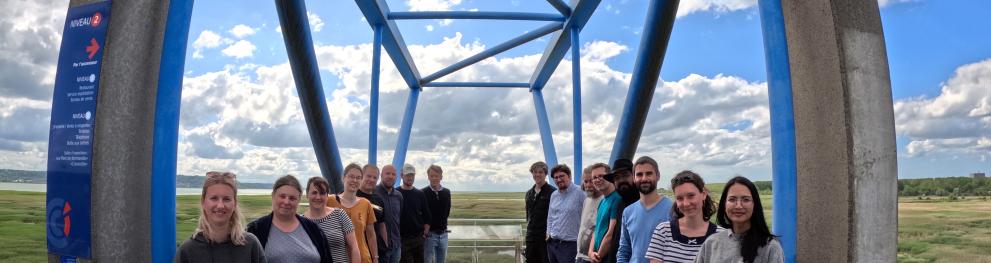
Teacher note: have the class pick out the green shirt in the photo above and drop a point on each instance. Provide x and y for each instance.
(607, 211)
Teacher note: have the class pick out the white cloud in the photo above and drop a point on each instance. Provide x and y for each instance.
(429, 27)
(207, 40)
(957, 121)
(885, 3)
(30, 36)
(241, 31)
(316, 24)
(253, 124)
(718, 6)
(240, 49)
(431, 5)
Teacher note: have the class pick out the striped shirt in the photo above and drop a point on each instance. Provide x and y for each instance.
(335, 227)
(667, 244)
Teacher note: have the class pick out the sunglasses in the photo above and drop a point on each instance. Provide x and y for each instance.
(215, 174)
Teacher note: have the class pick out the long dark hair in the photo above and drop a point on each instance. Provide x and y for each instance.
(758, 235)
(689, 177)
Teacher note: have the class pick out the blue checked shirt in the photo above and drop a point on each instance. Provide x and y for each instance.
(565, 213)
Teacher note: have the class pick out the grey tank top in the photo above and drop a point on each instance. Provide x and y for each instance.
(294, 246)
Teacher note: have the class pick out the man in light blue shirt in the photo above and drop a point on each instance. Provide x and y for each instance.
(564, 217)
(641, 217)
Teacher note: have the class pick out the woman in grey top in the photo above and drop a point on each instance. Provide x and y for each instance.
(334, 222)
(219, 236)
(285, 235)
(750, 240)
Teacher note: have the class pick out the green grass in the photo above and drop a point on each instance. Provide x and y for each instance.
(928, 230)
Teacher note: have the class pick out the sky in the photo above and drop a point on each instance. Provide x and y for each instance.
(240, 112)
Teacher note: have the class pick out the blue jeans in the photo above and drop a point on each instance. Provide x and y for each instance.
(392, 254)
(435, 248)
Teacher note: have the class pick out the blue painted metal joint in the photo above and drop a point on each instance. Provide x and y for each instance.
(376, 13)
(784, 165)
(560, 43)
(166, 131)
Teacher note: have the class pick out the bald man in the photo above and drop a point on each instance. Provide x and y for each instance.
(393, 201)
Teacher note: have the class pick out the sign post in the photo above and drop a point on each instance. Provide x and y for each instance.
(70, 145)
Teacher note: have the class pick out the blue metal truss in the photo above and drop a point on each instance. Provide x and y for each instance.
(565, 28)
(567, 24)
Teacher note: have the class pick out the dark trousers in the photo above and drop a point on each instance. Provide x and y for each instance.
(412, 250)
(560, 251)
(536, 251)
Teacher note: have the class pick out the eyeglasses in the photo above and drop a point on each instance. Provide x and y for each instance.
(743, 200)
(215, 174)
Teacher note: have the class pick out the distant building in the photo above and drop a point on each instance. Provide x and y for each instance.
(977, 175)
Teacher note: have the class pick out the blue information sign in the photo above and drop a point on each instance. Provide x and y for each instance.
(70, 149)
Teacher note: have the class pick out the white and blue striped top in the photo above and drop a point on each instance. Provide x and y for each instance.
(667, 244)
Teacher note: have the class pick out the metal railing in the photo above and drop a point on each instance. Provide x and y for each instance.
(478, 245)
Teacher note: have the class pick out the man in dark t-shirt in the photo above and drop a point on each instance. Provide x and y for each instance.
(369, 179)
(414, 219)
(538, 200)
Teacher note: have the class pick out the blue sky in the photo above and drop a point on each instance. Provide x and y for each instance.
(240, 111)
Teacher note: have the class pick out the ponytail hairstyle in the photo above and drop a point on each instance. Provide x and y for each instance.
(235, 223)
(758, 235)
(689, 177)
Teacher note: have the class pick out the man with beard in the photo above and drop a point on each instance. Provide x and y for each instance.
(414, 220)
(592, 198)
(563, 219)
(393, 201)
(640, 218)
(625, 185)
(538, 200)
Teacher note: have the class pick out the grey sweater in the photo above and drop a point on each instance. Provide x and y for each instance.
(198, 249)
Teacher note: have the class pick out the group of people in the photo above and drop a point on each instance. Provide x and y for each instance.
(367, 222)
(617, 215)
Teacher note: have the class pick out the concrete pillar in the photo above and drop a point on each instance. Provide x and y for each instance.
(135, 129)
(844, 129)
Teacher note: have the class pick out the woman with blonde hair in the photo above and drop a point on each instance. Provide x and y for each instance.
(335, 223)
(220, 235)
(361, 212)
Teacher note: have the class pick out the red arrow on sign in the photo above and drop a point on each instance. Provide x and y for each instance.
(92, 48)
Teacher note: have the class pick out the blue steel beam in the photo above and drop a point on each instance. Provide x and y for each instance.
(402, 144)
(784, 173)
(560, 6)
(547, 141)
(478, 84)
(373, 105)
(576, 97)
(306, 73)
(539, 32)
(560, 43)
(475, 15)
(650, 55)
(166, 131)
(376, 12)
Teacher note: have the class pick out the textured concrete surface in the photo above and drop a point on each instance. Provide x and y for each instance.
(844, 129)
